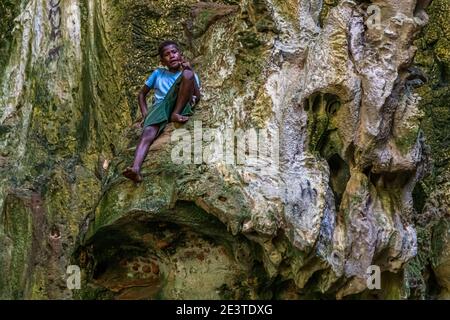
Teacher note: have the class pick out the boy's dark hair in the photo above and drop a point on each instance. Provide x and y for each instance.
(166, 44)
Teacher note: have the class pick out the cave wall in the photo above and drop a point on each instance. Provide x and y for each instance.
(429, 269)
(340, 100)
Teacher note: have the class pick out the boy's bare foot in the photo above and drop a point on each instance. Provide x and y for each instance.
(178, 118)
(131, 174)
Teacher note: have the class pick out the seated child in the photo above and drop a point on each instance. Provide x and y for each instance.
(177, 90)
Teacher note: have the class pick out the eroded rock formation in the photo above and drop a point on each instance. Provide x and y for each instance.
(332, 85)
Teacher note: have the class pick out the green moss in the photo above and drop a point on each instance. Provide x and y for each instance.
(39, 285)
(288, 9)
(407, 141)
(434, 58)
(93, 293)
(9, 11)
(249, 61)
(392, 286)
(202, 22)
(15, 258)
(252, 41)
(322, 110)
(438, 241)
(327, 6)
(416, 268)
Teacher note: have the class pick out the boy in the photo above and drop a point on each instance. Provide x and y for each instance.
(177, 89)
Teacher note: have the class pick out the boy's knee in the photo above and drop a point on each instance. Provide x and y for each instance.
(148, 132)
(188, 75)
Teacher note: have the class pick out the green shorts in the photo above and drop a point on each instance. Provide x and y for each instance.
(160, 112)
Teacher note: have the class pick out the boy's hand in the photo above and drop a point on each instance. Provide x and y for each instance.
(185, 64)
(138, 123)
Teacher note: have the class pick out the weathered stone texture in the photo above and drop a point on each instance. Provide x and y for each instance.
(337, 94)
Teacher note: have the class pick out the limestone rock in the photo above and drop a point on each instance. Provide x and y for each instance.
(323, 98)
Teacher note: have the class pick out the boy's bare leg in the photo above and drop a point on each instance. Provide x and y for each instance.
(185, 94)
(147, 138)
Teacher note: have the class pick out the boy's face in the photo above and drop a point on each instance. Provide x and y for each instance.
(171, 57)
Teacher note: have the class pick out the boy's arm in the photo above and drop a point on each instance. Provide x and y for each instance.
(142, 100)
(142, 97)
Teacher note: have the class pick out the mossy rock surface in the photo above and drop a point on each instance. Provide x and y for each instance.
(350, 187)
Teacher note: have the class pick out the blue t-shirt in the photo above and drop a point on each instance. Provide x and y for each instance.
(162, 80)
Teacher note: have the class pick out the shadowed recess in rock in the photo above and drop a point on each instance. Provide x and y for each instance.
(182, 253)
